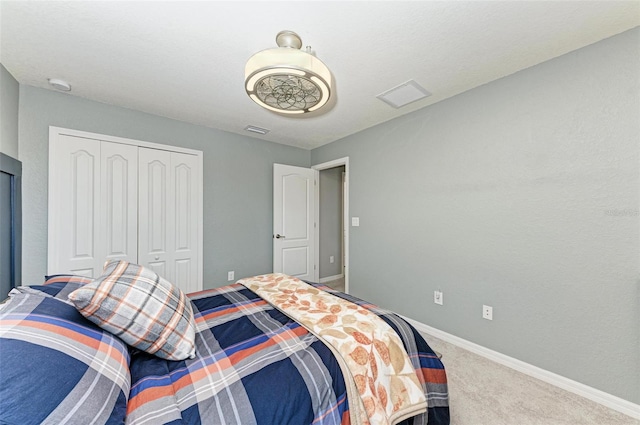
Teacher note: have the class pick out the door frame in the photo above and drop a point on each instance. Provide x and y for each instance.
(13, 168)
(345, 213)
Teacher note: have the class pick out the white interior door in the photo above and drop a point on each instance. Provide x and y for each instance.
(294, 221)
(74, 206)
(118, 228)
(155, 243)
(168, 216)
(186, 179)
(93, 187)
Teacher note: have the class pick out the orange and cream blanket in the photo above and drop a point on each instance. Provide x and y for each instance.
(382, 385)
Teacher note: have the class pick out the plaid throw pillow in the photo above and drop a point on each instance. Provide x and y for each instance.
(143, 309)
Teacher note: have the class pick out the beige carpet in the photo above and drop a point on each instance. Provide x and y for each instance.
(337, 284)
(482, 392)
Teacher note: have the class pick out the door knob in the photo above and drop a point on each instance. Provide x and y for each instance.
(157, 257)
(279, 236)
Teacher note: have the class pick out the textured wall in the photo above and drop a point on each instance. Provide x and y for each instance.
(331, 221)
(522, 194)
(9, 96)
(238, 179)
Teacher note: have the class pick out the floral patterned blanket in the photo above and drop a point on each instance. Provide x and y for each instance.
(383, 387)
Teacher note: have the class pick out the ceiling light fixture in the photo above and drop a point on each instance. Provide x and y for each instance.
(286, 79)
(59, 84)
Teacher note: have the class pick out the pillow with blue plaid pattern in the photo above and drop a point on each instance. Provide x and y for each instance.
(143, 309)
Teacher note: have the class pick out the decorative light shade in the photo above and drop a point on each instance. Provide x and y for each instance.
(286, 79)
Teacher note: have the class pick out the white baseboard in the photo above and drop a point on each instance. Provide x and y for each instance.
(616, 403)
(330, 278)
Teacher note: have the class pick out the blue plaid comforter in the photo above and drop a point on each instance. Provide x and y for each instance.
(254, 365)
(56, 367)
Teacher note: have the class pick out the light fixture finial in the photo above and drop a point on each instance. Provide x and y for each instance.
(288, 39)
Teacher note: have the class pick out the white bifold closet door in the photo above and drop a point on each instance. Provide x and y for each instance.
(119, 201)
(118, 229)
(74, 206)
(93, 214)
(168, 234)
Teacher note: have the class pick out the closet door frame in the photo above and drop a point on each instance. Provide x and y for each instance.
(54, 207)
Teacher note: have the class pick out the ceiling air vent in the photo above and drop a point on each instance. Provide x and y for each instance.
(259, 130)
(404, 94)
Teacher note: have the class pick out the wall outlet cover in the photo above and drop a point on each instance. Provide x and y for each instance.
(487, 312)
(231, 275)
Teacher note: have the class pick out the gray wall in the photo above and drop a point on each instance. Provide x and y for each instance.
(330, 231)
(238, 179)
(9, 97)
(521, 194)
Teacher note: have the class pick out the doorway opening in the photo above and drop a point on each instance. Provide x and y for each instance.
(332, 231)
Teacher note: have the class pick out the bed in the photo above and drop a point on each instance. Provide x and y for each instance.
(249, 362)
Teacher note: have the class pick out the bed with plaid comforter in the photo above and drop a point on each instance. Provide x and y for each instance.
(253, 365)
(56, 367)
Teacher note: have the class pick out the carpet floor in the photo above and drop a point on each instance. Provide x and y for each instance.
(482, 392)
(337, 284)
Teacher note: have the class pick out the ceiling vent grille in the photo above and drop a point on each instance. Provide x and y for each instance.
(404, 94)
(255, 129)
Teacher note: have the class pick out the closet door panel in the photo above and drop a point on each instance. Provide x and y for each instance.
(74, 206)
(186, 173)
(119, 199)
(119, 188)
(184, 280)
(154, 211)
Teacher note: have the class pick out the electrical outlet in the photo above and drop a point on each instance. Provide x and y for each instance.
(438, 297)
(231, 275)
(487, 312)
(331, 259)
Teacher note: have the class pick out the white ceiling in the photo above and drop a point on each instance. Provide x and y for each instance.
(185, 60)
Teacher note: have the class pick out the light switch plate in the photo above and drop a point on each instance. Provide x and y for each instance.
(231, 275)
(355, 221)
(437, 297)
